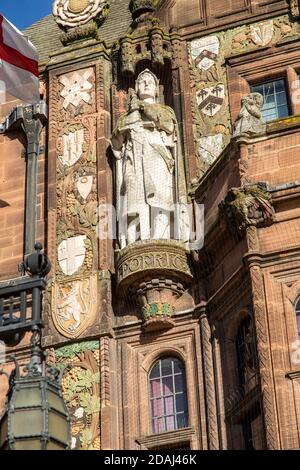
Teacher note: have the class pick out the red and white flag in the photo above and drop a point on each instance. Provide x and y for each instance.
(18, 64)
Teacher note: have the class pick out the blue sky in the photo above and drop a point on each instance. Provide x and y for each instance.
(23, 13)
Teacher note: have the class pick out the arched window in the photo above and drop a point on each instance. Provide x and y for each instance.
(298, 317)
(246, 354)
(168, 400)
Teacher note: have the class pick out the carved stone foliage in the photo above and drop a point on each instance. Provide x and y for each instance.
(72, 13)
(74, 305)
(265, 33)
(81, 390)
(250, 205)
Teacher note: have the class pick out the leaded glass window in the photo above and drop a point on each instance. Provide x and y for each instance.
(275, 99)
(168, 398)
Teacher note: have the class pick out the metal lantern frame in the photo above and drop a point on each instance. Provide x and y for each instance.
(36, 416)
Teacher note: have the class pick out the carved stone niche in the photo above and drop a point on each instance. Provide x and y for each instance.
(155, 274)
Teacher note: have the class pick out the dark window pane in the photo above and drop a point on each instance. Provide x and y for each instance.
(177, 366)
(298, 325)
(182, 421)
(281, 99)
(167, 383)
(275, 99)
(282, 111)
(179, 383)
(180, 403)
(258, 89)
(279, 86)
(166, 367)
(155, 371)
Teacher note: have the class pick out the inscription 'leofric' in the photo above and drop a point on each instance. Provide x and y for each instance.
(160, 260)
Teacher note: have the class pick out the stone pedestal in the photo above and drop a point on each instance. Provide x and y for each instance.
(155, 273)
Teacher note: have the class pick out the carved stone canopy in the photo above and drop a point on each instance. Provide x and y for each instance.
(74, 13)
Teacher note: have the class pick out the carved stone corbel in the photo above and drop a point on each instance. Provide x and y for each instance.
(247, 206)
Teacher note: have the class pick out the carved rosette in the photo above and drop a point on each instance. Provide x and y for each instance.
(74, 13)
(155, 274)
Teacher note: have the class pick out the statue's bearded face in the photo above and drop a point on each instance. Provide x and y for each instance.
(146, 87)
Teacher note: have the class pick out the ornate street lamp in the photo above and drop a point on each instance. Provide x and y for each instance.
(36, 417)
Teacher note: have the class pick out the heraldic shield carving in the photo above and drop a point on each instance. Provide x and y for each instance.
(74, 306)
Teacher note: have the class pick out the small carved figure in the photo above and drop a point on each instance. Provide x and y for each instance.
(250, 121)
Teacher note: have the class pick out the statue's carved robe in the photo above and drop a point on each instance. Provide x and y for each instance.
(146, 141)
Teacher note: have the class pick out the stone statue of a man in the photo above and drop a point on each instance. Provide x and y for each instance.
(250, 121)
(144, 145)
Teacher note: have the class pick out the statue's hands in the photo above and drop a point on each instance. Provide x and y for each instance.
(134, 103)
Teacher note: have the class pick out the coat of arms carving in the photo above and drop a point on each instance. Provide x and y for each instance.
(84, 185)
(205, 51)
(210, 147)
(74, 306)
(71, 254)
(77, 87)
(72, 147)
(262, 33)
(210, 100)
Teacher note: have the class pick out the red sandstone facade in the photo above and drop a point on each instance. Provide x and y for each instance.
(234, 323)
